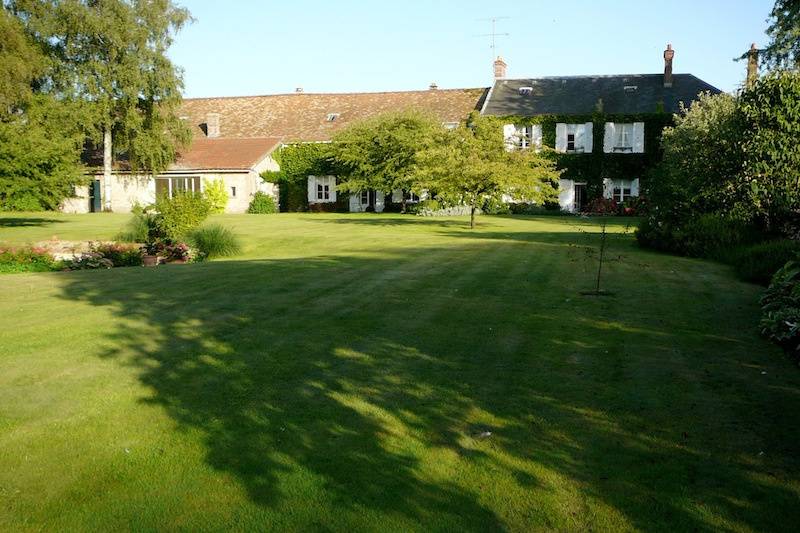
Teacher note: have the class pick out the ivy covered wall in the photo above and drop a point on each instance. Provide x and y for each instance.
(593, 167)
(298, 161)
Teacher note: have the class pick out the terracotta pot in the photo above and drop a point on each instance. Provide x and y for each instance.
(150, 260)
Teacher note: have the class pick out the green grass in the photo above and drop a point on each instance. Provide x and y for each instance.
(340, 374)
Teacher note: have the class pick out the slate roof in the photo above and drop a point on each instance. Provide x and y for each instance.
(621, 94)
(303, 117)
(227, 154)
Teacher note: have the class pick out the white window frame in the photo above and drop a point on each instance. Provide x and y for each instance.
(411, 198)
(618, 188)
(188, 183)
(574, 130)
(624, 134)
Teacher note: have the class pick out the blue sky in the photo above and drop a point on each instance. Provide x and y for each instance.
(248, 47)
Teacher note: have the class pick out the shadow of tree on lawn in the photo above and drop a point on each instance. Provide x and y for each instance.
(26, 222)
(374, 376)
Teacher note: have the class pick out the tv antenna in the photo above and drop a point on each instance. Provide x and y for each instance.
(494, 35)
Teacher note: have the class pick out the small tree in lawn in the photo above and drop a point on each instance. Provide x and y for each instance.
(471, 164)
(381, 153)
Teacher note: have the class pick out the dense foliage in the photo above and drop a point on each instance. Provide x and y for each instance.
(215, 241)
(382, 153)
(471, 164)
(216, 195)
(176, 216)
(262, 204)
(75, 75)
(780, 304)
(298, 162)
(26, 260)
(730, 176)
(783, 49)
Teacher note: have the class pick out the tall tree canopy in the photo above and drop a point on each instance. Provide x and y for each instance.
(111, 54)
(472, 164)
(783, 50)
(381, 153)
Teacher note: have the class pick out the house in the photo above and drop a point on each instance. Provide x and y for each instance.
(237, 162)
(605, 128)
(301, 117)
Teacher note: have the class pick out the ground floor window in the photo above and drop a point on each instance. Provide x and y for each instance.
(321, 189)
(172, 186)
(364, 197)
(622, 190)
(411, 198)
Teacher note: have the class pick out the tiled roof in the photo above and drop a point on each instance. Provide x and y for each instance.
(621, 94)
(302, 117)
(219, 153)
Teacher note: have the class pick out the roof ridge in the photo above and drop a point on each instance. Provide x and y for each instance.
(591, 76)
(338, 93)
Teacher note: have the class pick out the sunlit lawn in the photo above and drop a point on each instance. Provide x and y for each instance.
(381, 372)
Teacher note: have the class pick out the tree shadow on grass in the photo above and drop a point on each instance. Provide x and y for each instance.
(26, 222)
(380, 379)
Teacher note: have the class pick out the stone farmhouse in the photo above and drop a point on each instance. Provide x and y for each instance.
(606, 130)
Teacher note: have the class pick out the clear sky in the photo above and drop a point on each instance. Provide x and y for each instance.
(249, 47)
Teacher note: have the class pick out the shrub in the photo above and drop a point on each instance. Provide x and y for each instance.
(26, 260)
(88, 261)
(120, 255)
(140, 228)
(216, 195)
(178, 216)
(23, 202)
(262, 204)
(525, 208)
(603, 206)
(759, 262)
(780, 306)
(495, 206)
(215, 241)
(178, 251)
(714, 236)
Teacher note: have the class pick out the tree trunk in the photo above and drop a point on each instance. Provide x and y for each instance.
(472, 216)
(107, 168)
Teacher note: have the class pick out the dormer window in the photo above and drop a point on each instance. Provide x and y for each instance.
(630, 88)
(332, 117)
(525, 91)
(450, 125)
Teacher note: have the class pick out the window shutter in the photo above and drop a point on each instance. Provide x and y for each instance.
(332, 183)
(608, 188)
(635, 187)
(509, 135)
(608, 138)
(397, 196)
(566, 195)
(378, 202)
(312, 189)
(536, 136)
(588, 138)
(561, 137)
(638, 137)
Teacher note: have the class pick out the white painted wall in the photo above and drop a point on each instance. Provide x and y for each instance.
(566, 195)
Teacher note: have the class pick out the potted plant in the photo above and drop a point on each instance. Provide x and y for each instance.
(178, 252)
(152, 253)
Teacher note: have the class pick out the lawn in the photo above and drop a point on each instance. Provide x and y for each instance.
(381, 372)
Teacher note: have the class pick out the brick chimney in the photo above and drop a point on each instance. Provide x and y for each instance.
(752, 65)
(669, 53)
(499, 68)
(212, 125)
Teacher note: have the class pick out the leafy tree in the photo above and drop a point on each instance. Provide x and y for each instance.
(381, 153)
(770, 183)
(20, 64)
(701, 162)
(216, 195)
(112, 55)
(471, 164)
(783, 50)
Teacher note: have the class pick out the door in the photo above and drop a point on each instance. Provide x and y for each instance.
(580, 197)
(95, 204)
